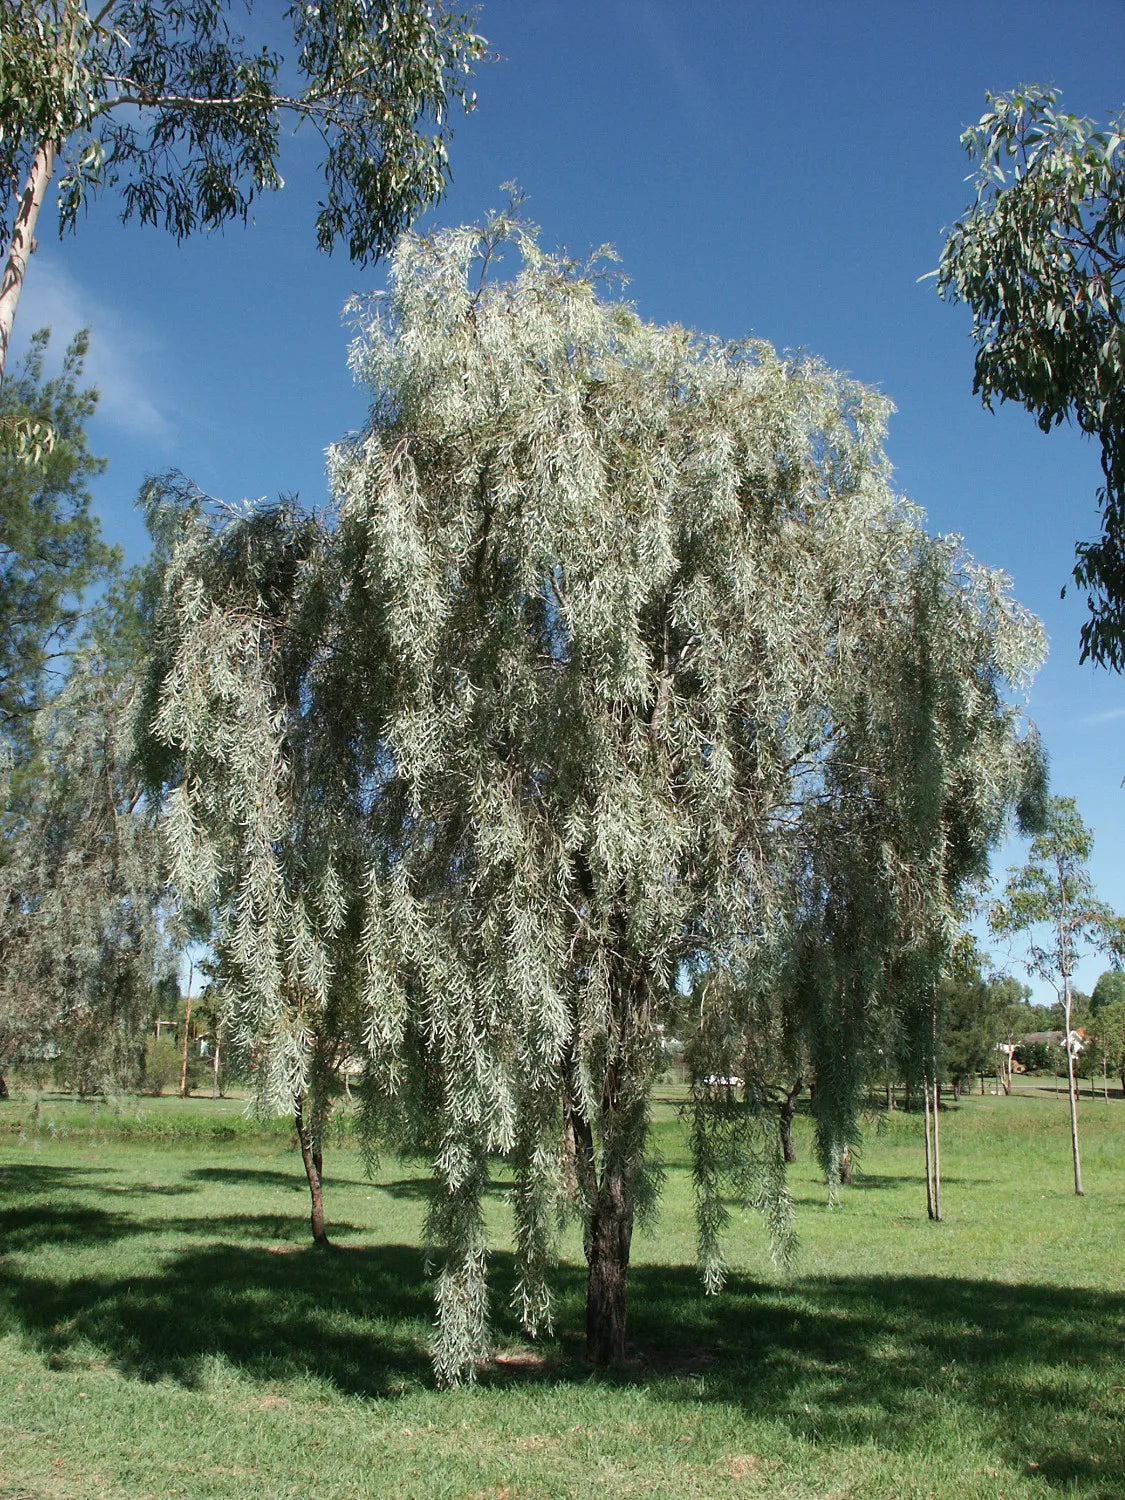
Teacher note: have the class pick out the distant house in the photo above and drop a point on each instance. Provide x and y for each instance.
(1052, 1039)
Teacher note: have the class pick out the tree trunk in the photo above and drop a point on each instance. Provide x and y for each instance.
(314, 1171)
(215, 1068)
(846, 1166)
(785, 1121)
(937, 1152)
(183, 1049)
(1072, 1086)
(610, 1239)
(928, 1154)
(22, 242)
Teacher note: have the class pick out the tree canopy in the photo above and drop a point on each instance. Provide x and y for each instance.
(162, 101)
(86, 934)
(50, 542)
(555, 707)
(1039, 257)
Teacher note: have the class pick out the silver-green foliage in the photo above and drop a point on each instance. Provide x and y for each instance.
(568, 667)
(85, 935)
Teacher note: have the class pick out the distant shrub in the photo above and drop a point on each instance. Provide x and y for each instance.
(162, 1065)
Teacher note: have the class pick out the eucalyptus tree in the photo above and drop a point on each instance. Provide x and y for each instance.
(51, 550)
(162, 101)
(1039, 257)
(561, 671)
(1051, 902)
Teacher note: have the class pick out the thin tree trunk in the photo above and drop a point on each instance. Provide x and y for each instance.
(937, 1152)
(785, 1121)
(929, 1153)
(22, 242)
(314, 1170)
(215, 1068)
(183, 1049)
(1072, 1086)
(845, 1166)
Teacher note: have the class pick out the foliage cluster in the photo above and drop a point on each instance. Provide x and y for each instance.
(1040, 258)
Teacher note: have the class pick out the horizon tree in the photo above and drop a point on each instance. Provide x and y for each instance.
(162, 101)
(1051, 903)
(575, 642)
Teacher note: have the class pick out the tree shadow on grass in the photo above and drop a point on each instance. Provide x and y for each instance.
(415, 1189)
(356, 1318)
(30, 1177)
(256, 1177)
(1028, 1370)
(1027, 1373)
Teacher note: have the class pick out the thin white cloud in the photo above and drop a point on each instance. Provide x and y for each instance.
(122, 359)
(1107, 716)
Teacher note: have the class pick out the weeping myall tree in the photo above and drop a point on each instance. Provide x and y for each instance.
(929, 761)
(568, 659)
(262, 794)
(87, 935)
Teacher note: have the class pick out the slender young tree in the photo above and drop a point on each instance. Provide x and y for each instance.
(562, 671)
(162, 101)
(1052, 904)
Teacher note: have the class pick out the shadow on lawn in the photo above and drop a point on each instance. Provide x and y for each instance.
(256, 1177)
(1029, 1373)
(357, 1318)
(1032, 1371)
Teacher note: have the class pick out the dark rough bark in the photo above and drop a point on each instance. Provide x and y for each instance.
(314, 1170)
(610, 1240)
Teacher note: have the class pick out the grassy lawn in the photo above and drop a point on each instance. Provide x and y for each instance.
(165, 1328)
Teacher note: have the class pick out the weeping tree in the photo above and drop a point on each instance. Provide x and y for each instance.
(928, 762)
(86, 934)
(260, 792)
(569, 656)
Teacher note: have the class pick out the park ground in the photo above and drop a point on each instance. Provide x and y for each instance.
(166, 1328)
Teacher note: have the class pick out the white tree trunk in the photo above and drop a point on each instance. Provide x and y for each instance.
(22, 242)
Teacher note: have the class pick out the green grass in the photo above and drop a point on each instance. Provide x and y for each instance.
(165, 1328)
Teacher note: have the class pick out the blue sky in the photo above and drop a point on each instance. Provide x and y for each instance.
(781, 170)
